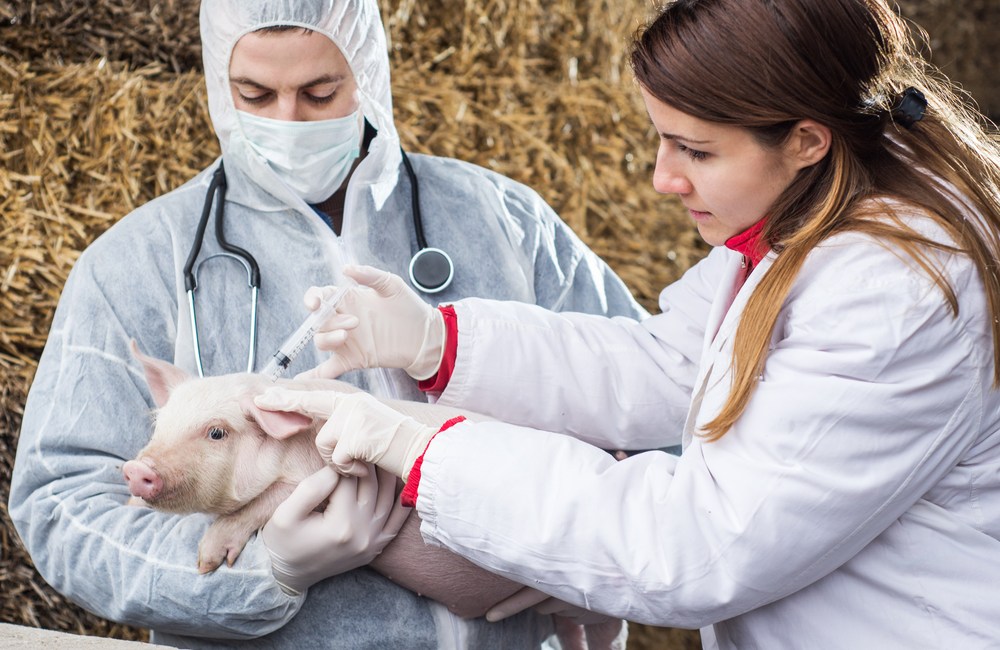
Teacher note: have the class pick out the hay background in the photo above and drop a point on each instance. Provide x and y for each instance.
(102, 108)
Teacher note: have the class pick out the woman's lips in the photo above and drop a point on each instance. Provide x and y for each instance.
(697, 215)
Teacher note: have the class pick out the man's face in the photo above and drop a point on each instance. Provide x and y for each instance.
(293, 75)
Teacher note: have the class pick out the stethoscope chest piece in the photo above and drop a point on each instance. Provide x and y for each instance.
(431, 270)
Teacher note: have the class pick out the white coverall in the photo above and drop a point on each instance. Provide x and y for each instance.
(89, 409)
(854, 505)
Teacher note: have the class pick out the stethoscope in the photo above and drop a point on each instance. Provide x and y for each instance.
(431, 269)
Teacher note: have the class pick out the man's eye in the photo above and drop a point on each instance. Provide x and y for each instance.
(320, 100)
(215, 433)
(258, 99)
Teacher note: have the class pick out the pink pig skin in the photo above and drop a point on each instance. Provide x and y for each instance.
(213, 450)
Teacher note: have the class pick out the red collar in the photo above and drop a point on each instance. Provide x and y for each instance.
(749, 243)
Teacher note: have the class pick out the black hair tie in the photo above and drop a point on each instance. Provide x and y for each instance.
(909, 108)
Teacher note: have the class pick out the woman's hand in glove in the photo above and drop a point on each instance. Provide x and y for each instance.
(360, 519)
(381, 323)
(359, 429)
(530, 598)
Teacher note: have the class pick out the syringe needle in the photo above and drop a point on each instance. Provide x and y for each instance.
(295, 343)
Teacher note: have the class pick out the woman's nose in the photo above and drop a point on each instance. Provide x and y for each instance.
(667, 179)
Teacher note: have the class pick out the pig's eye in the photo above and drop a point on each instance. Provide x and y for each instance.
(215, 433)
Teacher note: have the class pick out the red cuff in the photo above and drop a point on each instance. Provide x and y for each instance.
(408, 497)
(439, 382)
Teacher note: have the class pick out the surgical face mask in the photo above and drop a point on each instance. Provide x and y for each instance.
(311, 158)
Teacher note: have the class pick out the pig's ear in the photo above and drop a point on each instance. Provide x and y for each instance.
(161, 376)
(277, 424)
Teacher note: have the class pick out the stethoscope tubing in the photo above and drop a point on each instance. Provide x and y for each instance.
(217, 194)
(431, 270)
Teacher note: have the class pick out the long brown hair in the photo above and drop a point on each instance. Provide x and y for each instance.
(764, 65)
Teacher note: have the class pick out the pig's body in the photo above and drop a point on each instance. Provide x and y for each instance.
(209, 453)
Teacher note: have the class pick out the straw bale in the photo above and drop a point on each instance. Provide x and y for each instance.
(73, 31)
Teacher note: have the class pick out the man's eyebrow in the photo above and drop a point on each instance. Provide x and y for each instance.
(322, 79)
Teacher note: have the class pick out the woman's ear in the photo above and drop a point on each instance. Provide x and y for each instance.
(808, 143)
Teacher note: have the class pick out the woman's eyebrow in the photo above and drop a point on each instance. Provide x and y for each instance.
(671, 136)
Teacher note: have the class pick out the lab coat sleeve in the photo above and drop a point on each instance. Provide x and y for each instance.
(616, 383)
(88, 411)
(872, 392)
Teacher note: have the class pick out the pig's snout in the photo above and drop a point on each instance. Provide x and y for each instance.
(143, 480)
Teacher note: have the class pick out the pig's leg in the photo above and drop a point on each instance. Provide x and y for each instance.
(464, 588)
(225, 538)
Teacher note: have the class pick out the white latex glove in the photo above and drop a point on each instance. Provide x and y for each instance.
(359, 429)
(381, 323)
(576, 628)
(529, 598)
(359, 520)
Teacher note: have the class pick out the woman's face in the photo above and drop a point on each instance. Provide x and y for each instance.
(726, 179)
(291, 75)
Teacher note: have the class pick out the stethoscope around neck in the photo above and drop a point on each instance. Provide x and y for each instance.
(431, 269)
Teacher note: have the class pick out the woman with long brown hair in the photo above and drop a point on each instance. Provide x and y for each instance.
(831, 367)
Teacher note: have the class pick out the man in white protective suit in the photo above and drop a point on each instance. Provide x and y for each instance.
(314, 180)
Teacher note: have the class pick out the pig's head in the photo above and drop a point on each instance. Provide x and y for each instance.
(212, 450)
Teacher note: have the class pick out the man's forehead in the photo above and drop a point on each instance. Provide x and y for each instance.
(297, 57)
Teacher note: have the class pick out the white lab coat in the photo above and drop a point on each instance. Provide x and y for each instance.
(856, 503)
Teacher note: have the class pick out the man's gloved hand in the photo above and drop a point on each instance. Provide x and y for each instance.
(359, 520)
(529, 598)
(381, 323)
(359, 429)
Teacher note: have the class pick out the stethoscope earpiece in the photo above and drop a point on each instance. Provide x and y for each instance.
(431, 270)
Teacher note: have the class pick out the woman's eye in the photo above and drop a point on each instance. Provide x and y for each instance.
(215, 433)
(693, 153)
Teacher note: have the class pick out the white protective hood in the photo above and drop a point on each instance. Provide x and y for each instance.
(354, 26)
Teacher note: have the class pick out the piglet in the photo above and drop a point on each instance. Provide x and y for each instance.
(214, 451)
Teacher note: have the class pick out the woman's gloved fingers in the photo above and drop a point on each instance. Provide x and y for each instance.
(314, 295)
(330, 340)
(572, 612)
(384, 283)
(332, 368)
(339, 322)
(318, 403)
(524, 598)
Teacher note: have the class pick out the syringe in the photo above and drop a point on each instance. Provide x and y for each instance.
(294, 344)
